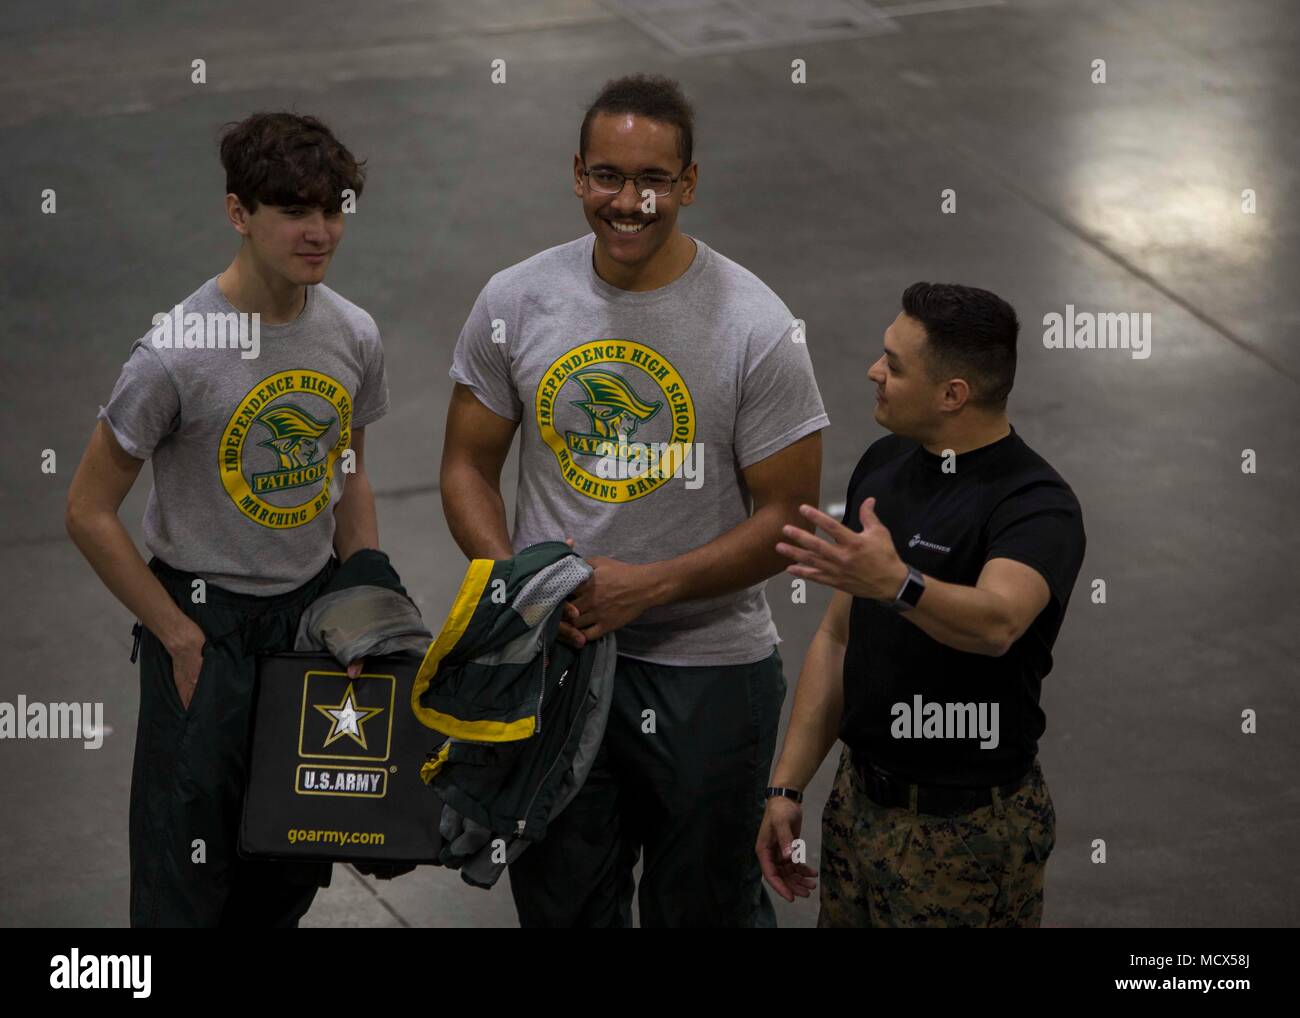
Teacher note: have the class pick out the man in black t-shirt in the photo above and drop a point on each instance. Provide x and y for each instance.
(952, 566)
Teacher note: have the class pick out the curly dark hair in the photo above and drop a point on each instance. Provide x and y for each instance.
(287, 159)
(648, 95)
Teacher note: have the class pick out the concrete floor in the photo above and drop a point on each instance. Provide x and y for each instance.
(1122, 196)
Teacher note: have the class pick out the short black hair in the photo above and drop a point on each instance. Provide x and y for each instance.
(970, 333)
(287, 159)
(647, 95)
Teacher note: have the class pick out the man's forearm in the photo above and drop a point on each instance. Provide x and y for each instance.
(108, 548)
(965, 618)
(356, 523)
(743, 556)
(476, 513)
(818, 709)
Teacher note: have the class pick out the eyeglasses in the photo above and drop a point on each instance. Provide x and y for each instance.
(611, 182)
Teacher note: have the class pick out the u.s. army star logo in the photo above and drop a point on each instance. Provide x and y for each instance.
(604, 396)
(292, 416)
(347, 718)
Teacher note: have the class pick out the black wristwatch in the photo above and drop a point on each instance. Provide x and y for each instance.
(910, 593)
(786, 793)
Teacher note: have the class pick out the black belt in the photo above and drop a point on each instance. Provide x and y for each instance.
(886, 789)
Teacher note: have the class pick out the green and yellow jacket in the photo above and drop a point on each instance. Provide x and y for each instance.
(523, 713)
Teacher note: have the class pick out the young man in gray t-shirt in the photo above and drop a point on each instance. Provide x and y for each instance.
(250, 399)
(670, 426)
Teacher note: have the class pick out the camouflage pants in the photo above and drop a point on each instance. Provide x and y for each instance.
(894, 867)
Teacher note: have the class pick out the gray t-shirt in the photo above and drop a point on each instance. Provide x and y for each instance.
(245, 451)
(709, 365)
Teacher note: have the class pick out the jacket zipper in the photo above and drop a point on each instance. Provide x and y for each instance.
(522, 822)
(541, 693)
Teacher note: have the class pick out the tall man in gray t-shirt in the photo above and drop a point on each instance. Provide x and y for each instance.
(250, 399)
(670, 426)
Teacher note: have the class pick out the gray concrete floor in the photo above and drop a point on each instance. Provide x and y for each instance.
(1123, 196)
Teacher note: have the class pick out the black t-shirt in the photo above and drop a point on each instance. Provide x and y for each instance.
(913, 705)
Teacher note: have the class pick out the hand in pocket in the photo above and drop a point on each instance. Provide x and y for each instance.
(187, 662)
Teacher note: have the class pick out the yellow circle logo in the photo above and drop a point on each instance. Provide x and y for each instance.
(618, 417)
(290, 417)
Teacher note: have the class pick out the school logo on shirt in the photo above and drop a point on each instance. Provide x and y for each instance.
(599, 403)
(277, 453)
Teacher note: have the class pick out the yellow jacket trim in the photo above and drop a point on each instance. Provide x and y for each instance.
(431, 767)
(462, 610)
